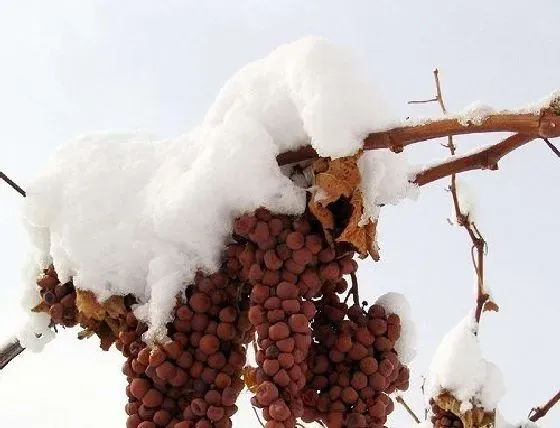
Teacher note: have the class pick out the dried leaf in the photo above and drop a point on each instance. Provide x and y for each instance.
(336, 179)
(320, 165)
(322, 213)
(88, 305)
(353, 233)
(473, 418)
(85, 334)
(41, 307)
(250, 378)
(490, 306)
(371, 233)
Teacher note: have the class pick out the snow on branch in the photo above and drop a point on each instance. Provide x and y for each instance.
(484, 159)
(545, 125)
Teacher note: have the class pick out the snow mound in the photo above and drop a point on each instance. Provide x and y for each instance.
(124, 214)
(385, 179)
(406, 345)
(459, 369)
(466, 198)
(475, 114)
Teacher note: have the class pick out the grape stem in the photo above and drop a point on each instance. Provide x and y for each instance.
(552, 147)
(479, 160)
(257, 415)
(538, 412)
(13, 184)
(354, 289)
(9, 352)
(402, 402)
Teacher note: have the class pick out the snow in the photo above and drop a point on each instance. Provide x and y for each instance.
(466, 198)
(406, 345)
(502, 423)
(475, 114)
(309, 89)
(385, 179)
(36, 333)
(126, 214)
(424, 424)
(547, 101)
(459, 369)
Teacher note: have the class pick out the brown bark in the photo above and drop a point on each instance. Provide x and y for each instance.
(545, 125)
(9, 352)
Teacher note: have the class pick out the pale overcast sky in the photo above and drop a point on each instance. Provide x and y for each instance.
(70, 68)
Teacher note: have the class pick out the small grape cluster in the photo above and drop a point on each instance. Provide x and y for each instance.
(194, 379)
(352, 365)
(444, 419)
(58, 299)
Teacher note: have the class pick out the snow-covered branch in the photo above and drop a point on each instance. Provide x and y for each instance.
(484, 159)
(545, 125)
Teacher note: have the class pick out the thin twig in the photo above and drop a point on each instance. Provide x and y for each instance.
(431, 100)
(354, 289)
(13, 184)
(538, 412)
(552, 147)
(439, 97)
(424, 395)
(257, 415)
(403, 403)
(9, 352)
(485, 161)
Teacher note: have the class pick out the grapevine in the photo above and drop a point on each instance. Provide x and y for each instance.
(285, 288)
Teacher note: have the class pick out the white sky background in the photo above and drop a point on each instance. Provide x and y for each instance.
(70, 68)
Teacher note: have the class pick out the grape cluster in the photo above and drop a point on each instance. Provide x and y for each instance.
(352, 364)
(444, 419)
(280, 285)
(194, 379)
(58, 299)
(281, 261)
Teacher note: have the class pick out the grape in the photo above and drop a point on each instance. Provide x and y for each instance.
(139, 387)
(295, 240)
(279, 331)
(152, 398)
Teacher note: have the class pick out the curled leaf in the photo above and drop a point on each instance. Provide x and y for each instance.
(490, 306)
(476, 417)
(338, 205)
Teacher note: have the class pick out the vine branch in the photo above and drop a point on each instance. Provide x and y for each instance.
(552, 147)
(485, 159)
(399, 399)
(543, 125)
(9, 352)
(538, 412)
(13, 184)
